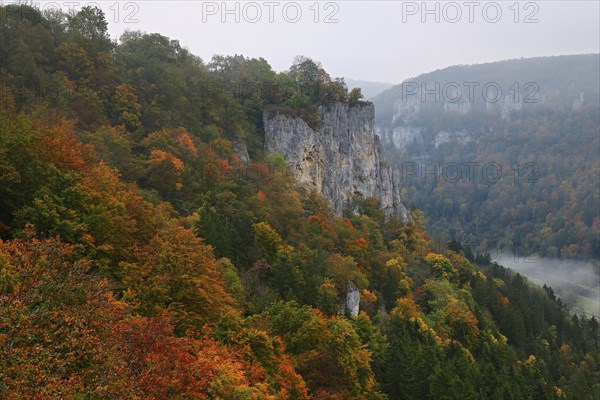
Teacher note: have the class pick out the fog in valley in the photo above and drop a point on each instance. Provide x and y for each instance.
(576, 283)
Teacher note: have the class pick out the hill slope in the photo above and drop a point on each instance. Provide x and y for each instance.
(513, 147)
(142, 257)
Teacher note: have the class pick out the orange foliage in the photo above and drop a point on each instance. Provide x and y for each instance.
(504, 299)
(125, 216)
(462, 322)
(61, 148)
(63, 335)
(162, 366)
(406, 308)
(357, 245)
(322, 222)
(177, 268)
(185, 141)
(368, 301)
(165, 171)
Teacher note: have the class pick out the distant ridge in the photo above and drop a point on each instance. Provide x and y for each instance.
(369, 89)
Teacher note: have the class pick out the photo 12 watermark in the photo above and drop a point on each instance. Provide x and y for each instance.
(253, 12)
(490, 172)
(35, 90)
(470, 92)
(452, 12)
(126, 12)
(259, 172)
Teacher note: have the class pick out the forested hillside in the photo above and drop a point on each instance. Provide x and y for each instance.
(514, 145)
(142, 258)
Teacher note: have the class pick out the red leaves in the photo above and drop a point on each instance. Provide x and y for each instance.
(321, 222)
(358, 244)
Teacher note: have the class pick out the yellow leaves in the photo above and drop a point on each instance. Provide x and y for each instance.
(434, 259)
(368, 296)
(480, 275)
(268, 240)
(461, 321)
(396, 270)
(328, 286)
(396, 263)
(531, 362)
(368, 301)
(499, 283)
(222, 146)
(176, 141)
(126, 103)
(75, 60)
(442, 266)
(165, 171)
(343, 269)
(406, 309)
(177, 269)
(7, 101)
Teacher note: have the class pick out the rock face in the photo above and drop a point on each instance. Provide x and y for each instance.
(344, 158)
(461, 137)
(239, 148)
(401, 136)
(351, 301)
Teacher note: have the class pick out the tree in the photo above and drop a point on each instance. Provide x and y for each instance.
(165, 173)
(127, 107)
(90, 24)
(177, 270)
(355, 96)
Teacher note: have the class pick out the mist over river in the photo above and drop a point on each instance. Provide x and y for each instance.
(577, 283)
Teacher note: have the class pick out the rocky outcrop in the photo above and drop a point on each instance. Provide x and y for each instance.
(239, 148)
(401, 136)
(578, 102)
(351, 300)
(460, 137)
(342, 159)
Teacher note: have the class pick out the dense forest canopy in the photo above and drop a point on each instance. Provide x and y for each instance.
(534, 153)
(141, 258)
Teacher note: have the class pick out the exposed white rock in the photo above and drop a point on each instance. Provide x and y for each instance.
(511, 104)
(351, 301)
(342, 159)
(460, 137)
(577, 103)
(461, 107)
(401, 136)
(239, 148)
(405, 108)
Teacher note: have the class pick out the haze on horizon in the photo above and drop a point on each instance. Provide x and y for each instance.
(384, 41)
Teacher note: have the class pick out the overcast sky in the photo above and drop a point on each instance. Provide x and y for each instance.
(371, 40)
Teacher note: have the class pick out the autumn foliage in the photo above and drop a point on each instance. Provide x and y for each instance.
(141, 257)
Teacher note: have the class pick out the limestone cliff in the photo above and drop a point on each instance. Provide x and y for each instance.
(350, 302)
(342, 159)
